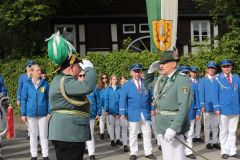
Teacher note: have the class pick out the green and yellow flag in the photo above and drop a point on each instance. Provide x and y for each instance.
(162, 21)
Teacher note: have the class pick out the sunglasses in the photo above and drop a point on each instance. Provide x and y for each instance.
(227, 66)
(104, 77)
(81, 75)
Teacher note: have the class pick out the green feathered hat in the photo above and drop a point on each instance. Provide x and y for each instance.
(59, 49)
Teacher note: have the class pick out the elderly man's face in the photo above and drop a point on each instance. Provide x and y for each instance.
(136, 74)
(167, 68)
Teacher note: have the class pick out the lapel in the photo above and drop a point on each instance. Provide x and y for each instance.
(134, 85)
(224, 80)
(136, 89)
(166, 87)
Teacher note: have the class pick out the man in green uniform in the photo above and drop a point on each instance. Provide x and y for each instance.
(69, 124)
(172, 98)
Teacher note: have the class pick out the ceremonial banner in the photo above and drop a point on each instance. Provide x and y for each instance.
(162, 21)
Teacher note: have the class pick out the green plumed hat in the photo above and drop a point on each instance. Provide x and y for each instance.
(169, 56)
(59, 49)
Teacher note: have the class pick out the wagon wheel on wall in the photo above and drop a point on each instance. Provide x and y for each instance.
(140, 44)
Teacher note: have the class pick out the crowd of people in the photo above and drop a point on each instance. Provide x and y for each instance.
(168, 102)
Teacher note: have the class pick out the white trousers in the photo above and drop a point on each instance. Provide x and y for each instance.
(227, 136)
(124, 126)
(190, 136)
(114, 125)
(154, 130)
(211, 124)
(198, 126)
(91, 143)
(133, 137)
(173, 150)
(38, 126)
(102, 121)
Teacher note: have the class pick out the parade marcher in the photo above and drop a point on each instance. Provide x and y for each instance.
(22, 79)
(172, 98)
(102, 85)
(198, 124)
(69, 127)
(3, 93)
(35, 111)
(111, 107)
(194, 113)
(95, 113)
(123, 121)
(226, 97)
(135, 104)
(206, 103)
(44, 75)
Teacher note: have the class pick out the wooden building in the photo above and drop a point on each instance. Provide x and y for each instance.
(103, 25)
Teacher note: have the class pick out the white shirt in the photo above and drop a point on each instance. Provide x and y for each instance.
(137, 81)
(230, 76)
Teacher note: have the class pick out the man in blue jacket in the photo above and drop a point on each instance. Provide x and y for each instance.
(3, 93)
(226, 97)
(206, 104)
(135, 104)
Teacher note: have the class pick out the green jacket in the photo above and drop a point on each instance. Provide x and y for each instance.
(64, 126)
(172, 102)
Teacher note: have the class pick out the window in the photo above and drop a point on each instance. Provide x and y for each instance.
(143, 28)
(200, 32)
(68, 32)
(129, 28)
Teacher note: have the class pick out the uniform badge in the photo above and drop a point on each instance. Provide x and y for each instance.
(42, 89)
(185, 90)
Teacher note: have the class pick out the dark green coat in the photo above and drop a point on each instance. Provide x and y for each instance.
(68, 127)
(172, 103)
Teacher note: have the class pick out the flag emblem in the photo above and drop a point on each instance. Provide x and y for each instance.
(162, 34)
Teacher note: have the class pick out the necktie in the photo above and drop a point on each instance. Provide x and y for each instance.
(229, 79)
(139, 87)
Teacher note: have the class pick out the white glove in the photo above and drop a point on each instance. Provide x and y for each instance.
(169, 135)
(154, 67)
(86, 63)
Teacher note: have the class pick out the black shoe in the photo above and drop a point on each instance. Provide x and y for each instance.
(108, 136)
(45, 158)
(34, 158)
(224, 156)
(113, 143)
(209, 146)
(92, 157)
(237, 156)
(125, 149)
(159, 148)
(86, 151)
(118, 142)
(101, 136)
(191, 156)
(194, 140)
(216, 145)
(133, 157)
(140, 135)
(150, 156)
(199, 140)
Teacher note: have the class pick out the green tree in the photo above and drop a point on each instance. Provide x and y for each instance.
(19, 25)
(222, 11)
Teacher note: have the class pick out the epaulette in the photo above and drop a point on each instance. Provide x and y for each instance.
(182, 74)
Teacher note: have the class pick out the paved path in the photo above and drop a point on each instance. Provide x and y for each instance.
(18, 149)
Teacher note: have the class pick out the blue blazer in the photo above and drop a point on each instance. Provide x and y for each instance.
(22, 79)
(226, 96)
(133, 103)
(195, 108)
(206, 94)
(3, 87)
(35, 102)
(95, 104)
(102, 94)
(112, 100)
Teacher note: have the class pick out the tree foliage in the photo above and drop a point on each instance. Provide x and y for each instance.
(222, 11)
(19, 25)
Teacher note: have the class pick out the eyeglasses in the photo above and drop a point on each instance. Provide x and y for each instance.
(226, 66)
(81, 75)
(104, 77)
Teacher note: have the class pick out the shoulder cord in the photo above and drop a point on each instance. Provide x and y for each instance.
(74, 102)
